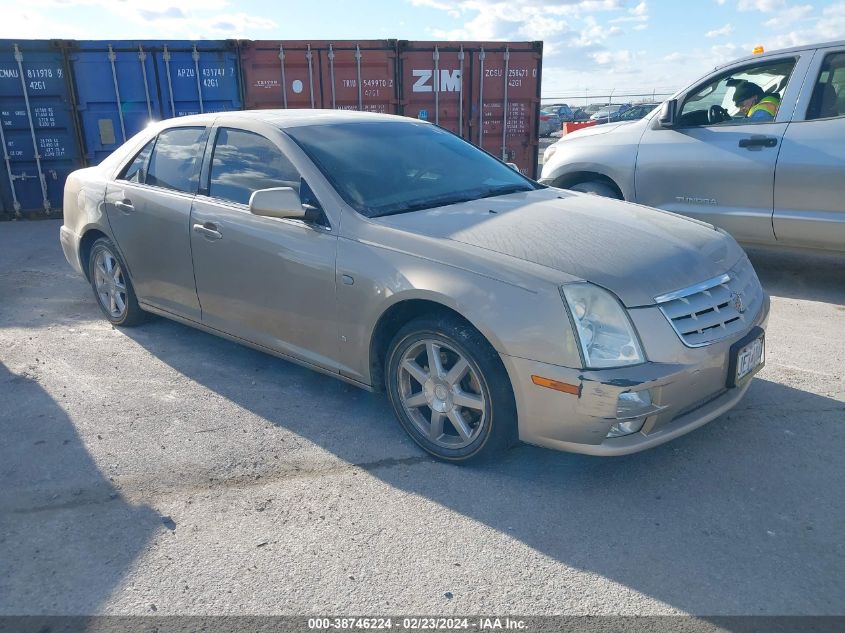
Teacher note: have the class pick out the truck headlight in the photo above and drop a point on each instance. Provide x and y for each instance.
(602, 326)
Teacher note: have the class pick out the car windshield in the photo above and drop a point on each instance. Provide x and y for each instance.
(388, 167)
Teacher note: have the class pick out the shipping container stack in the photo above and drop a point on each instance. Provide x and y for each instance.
(67, 104)
(38, 128)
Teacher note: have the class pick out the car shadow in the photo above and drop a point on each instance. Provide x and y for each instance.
(743, 516)
(60, 517)
(800, 274)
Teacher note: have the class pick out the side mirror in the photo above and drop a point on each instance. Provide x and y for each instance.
(513, 166)
(666, 116)
(281, 202)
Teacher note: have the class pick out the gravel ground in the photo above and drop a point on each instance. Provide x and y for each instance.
(163, 470)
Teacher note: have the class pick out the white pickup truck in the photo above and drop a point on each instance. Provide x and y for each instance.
(777, 180)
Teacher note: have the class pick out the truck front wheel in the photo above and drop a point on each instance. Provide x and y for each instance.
(597, 188)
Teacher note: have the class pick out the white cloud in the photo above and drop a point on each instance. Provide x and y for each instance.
(789, 16)
(640, 9)
(766, 6)
(721, 32)
(192, 19)
(828, 26)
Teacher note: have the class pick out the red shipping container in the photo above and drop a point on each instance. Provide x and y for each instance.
(342, 75)
(487, 92)
(466, 87)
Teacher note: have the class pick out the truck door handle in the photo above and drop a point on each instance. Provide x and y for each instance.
(758, 141)
(125, 206)
(209, 230)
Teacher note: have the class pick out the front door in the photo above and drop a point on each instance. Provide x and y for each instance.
(148, 208)
(809, 204)
(266, 280)
(717, 163)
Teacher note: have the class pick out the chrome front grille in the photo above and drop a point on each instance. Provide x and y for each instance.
(714, 309)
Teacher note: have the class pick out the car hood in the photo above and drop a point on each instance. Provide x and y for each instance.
(592, 130)
(637, 252)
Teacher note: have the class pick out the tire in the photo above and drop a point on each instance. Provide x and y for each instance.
(597, 188)
(112, 287)
(455, 415)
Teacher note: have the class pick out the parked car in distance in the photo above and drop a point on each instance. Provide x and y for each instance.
(392, 254)
(609, 111)
(632, 113)
(638, 111)
(552, 117)
(584, 113)
(562, 110)
(754, 147)
(549, 122)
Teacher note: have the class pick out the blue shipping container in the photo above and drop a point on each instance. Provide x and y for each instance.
(37, 126)
(122, 85)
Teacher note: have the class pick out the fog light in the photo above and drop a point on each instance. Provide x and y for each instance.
(632, 407)
(633, 403)
(626, 428)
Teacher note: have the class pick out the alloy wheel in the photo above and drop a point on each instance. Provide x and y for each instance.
(442, 394)
(110, 283)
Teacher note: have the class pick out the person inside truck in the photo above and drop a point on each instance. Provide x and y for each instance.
(755, 104)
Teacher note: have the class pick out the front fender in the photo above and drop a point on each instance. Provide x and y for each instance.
(528, 321)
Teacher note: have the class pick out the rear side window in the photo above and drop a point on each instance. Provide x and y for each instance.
(175, 159)
(136, 171)
(244, 162)
(828, 99)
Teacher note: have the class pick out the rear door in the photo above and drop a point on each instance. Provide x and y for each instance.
(148, 208)
(810, 181)
(267, 280)
(715, 164)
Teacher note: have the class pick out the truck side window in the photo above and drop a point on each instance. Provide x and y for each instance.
(828, 98)
(740, 96)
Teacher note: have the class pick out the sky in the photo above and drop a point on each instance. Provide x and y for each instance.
(590, 46)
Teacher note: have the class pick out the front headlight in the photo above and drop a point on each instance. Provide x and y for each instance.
(601, 323)
(550, 151)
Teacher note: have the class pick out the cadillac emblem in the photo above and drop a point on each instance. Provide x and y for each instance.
(737, 302)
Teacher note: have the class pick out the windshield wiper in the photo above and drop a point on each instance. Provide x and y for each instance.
(451, 198)
(428, 203)
(504, 190)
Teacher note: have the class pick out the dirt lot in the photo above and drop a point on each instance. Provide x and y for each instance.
(163, 470)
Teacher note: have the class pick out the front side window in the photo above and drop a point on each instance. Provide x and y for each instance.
(136, 171)
(748, 95)
(828, 99)
(381, 168)
(244, 162)
(175, 159)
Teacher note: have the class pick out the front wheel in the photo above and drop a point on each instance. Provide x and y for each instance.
(449, 389)
(598, 188)
(112, 286)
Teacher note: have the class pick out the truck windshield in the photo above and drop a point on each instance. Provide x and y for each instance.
(388, 167)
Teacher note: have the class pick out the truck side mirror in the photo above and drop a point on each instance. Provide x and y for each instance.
(666, 116)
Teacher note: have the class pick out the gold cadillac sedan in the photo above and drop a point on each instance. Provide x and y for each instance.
(391, 254)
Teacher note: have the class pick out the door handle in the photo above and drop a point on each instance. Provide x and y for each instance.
(758, 141)
(125, 206)
(209, 230)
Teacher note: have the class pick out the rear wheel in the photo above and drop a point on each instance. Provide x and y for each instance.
(112, 286)
(598, 188)
(449, 389)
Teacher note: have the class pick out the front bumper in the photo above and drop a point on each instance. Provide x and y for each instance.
(688, 391)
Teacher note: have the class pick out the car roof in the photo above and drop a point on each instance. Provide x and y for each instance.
(782, 51)
(290, 117)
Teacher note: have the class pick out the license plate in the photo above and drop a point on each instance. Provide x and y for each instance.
(747, 357)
